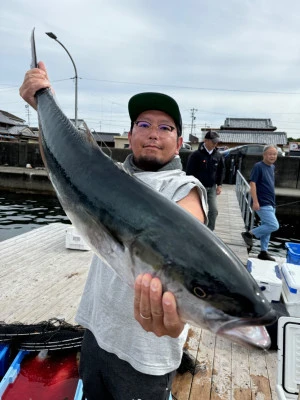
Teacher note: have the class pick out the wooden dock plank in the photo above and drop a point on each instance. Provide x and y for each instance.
(221, 377)
(241, 384)
(40, 278)
(260, 384)
(202, 382)
(271, 361)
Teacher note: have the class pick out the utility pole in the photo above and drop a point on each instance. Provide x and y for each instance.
(28, 113)
(193, 110)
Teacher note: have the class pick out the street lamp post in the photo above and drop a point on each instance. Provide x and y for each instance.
(52, 36)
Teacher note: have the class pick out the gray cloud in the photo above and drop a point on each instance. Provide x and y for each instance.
(193, 50)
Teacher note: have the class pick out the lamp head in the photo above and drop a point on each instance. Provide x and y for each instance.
(51, 35)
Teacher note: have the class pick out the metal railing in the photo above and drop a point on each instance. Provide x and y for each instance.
(242, 189)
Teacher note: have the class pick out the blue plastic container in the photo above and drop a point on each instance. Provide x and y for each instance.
(12, 371)
(293, 253)
(4, 354)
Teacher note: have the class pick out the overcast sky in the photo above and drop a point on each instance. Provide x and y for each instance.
(233, 58)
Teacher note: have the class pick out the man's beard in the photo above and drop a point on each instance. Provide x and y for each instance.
(148, 164)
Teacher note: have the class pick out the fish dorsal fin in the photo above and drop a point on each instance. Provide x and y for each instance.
(33, 51)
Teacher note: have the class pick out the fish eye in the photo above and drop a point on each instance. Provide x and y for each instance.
(199, 292)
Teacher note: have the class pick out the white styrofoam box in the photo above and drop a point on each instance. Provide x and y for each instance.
(288, 355)
(74, 240)
(293, 308)
(291, 281)
(268, 277)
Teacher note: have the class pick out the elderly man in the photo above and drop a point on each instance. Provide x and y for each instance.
(134, 338)
(207, 165)
(262, 188)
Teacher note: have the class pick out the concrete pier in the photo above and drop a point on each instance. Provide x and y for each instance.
(36, 180)
(25, 180)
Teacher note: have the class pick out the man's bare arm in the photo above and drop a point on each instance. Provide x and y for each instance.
(193, 204)
(255, 205)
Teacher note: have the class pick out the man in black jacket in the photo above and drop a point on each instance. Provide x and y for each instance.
(207, 165)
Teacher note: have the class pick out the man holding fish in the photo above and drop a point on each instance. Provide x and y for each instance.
(156, 264)
(134, 337)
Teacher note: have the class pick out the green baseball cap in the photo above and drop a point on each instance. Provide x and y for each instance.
(155, 101)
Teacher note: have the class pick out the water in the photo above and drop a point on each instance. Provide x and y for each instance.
(287, 213)
(20, 213)
(288, 232)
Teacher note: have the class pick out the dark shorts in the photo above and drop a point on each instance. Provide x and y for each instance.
(106, 377)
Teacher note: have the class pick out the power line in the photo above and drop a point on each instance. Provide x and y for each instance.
(193, 87)
(173, 86)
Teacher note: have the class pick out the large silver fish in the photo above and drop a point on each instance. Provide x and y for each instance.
(135, 230)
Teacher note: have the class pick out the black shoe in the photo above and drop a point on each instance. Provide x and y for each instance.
(248, 238)
(264, 255)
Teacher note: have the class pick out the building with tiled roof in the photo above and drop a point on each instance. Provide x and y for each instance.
(236, 137)
(13, 128)
(261, 124)
(9, 119)
(106, 139)
(239, 131)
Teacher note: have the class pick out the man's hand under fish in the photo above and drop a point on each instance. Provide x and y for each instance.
(154, 310)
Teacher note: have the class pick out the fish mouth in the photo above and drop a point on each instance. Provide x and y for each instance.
(249, 332)
(249, 336)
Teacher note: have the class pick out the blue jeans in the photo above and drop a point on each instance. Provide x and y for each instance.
(268, 224)
(212, 206)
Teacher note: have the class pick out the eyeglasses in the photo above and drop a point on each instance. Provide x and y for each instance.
(145, 126)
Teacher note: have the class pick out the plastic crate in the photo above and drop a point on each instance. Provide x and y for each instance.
(268, 277)
(293, 307)
(4, 355)
(12, 371)
(293, 253)
(291, 282)
(79, 392)
(288, 355)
